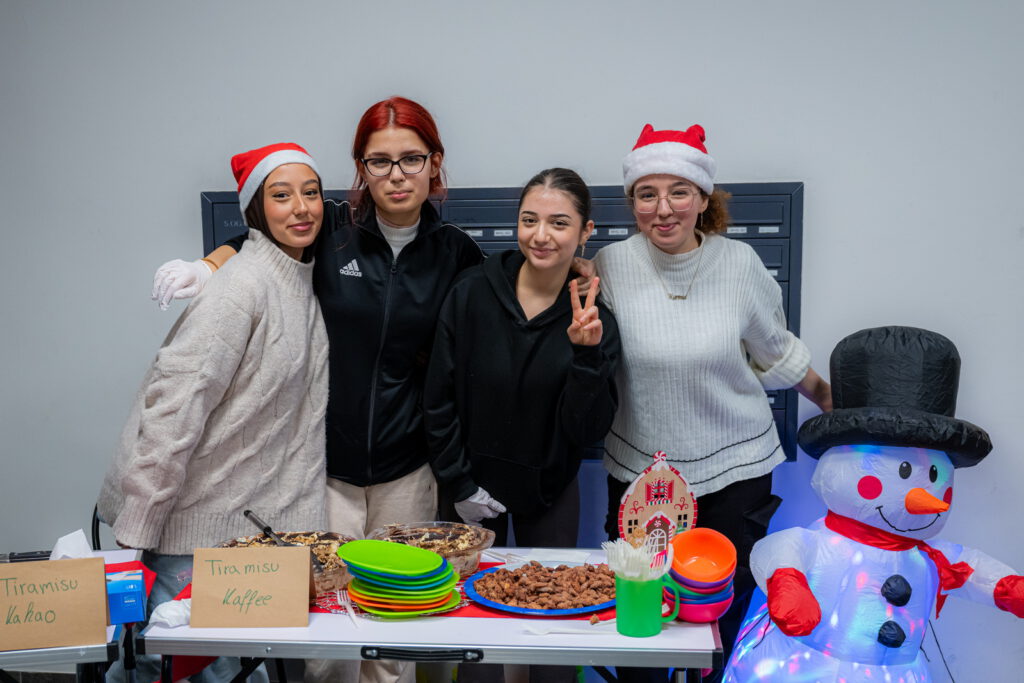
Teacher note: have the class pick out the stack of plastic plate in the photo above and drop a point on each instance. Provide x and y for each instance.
(396, 580)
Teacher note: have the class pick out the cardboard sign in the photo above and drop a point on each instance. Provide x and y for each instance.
(52, 604)
(246, 587)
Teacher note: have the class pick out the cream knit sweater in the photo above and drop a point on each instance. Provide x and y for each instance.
(686, 384)
(230, 415)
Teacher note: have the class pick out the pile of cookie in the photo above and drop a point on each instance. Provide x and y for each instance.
(535, 586)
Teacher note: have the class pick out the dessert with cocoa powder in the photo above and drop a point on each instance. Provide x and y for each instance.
(322, 544)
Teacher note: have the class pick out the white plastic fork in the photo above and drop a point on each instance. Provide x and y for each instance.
(544, 630)
(346, 602)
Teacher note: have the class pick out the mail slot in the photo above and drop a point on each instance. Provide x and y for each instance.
(775, 256)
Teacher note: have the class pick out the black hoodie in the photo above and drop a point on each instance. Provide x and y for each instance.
(510, 403)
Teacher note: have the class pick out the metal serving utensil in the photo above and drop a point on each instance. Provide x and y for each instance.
(318, 566)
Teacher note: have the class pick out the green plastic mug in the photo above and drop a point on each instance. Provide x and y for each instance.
(638, 606)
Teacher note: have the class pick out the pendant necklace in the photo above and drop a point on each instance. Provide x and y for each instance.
(677, 297)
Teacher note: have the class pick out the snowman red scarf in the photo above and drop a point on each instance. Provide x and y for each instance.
(951, 576)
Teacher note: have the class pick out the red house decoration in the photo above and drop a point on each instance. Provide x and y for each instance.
(658, 504)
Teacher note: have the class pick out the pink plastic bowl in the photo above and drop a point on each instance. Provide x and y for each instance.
(702, 614)
(700, 586)
(703, 555)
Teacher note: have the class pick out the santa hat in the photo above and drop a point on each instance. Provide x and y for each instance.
(679, 153)
(252, 168)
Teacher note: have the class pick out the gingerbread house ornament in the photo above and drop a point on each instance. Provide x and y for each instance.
(657, 505)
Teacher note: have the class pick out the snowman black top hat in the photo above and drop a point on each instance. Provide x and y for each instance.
(895, 386)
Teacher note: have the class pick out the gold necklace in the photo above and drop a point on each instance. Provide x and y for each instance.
(671, 296)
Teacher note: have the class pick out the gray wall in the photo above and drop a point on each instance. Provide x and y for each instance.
(903, 120)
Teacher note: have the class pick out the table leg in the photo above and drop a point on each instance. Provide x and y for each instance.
(248, 666)
(166, 667)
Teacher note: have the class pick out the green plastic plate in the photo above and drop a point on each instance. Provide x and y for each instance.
(392, 558)
(397, 594)
(403, 584)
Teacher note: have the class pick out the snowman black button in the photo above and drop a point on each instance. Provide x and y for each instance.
(891, 635)
(896, 590)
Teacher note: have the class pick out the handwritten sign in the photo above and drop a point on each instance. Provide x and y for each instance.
(245, 587)
(52, 604)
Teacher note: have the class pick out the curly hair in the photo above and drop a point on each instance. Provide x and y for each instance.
(716, 217)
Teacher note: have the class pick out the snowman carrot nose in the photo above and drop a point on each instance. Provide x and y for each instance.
(920, 502)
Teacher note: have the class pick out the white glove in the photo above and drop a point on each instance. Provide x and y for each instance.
(479, 506)
(179, 279)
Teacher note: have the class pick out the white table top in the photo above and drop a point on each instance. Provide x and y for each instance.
(500, 640)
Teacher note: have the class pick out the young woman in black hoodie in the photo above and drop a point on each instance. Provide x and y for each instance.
(520, 380)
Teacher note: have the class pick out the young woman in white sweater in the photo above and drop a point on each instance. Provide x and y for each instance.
(231, 414)
(703, 336)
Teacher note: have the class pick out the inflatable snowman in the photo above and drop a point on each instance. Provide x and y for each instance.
(848, 598)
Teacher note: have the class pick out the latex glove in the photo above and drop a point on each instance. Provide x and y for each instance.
(1009, 595)
(479, 506)
(179, 279)
(791, 603)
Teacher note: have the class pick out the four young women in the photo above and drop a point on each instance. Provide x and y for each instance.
(523, 376)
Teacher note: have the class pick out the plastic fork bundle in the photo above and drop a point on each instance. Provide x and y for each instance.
(644, 563)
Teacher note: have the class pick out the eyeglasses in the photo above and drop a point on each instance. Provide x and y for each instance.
(682, 199)
(410, 164)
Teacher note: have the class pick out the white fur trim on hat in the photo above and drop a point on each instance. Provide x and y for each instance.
(266, 167)
(673, 158)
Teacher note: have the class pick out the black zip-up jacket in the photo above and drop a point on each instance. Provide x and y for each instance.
(380, 313)
(511, 403)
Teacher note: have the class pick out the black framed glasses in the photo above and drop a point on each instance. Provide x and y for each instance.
(382, 166)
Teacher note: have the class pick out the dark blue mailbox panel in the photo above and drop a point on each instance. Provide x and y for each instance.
(769, 216)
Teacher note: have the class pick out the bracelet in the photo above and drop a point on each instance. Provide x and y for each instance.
(209, 262)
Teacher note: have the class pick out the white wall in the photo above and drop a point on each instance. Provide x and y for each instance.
(903, 119)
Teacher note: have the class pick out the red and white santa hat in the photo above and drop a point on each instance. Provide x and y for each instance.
(679, 153)
(252, 168)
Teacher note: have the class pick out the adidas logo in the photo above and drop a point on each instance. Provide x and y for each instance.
(351, 268)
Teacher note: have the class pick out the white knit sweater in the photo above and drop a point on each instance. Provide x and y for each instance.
(685, 383)
(230, 415)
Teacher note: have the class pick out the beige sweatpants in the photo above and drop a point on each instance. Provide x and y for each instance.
(356, 511)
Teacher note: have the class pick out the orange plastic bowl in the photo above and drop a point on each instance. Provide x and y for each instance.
(703, 555)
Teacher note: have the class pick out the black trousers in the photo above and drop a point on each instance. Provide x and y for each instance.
(741, 512)
(554, 527)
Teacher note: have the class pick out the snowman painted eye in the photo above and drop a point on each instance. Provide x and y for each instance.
(905, 470)
(869, 488)
(933, 473)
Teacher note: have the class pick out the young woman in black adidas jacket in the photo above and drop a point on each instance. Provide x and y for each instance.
(521, 380)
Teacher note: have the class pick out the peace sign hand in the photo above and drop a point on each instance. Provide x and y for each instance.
(586, 328)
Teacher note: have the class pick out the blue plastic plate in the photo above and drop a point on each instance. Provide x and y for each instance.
(398, 578)
(471, 593)
(404, 585)
(371, 587)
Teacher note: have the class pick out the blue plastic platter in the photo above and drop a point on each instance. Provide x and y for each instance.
(471, 593)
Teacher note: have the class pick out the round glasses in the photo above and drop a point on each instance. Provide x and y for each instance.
(381, 166)
(646, 201)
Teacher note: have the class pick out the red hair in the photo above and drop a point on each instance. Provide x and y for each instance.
(398, 112)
